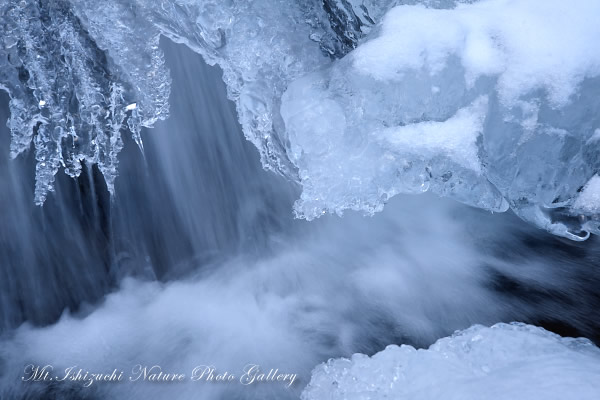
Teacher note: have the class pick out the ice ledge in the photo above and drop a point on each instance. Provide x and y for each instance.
(400, 114)
(507, 361)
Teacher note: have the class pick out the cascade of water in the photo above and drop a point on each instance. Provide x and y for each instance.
(196, 194)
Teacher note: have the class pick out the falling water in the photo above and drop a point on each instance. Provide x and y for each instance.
(197, 193)
(197, 260)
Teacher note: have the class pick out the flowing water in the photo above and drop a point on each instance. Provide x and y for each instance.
(198, 260)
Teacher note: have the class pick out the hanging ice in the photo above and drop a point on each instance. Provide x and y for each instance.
(494, 103)
(68, 95)
(73, 68)
(502, 362)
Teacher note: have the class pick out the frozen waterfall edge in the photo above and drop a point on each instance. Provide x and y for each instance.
(356, 101)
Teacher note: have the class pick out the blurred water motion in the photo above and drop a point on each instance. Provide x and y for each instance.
(222, 272)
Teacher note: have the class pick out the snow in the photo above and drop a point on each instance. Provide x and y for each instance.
(529, 44)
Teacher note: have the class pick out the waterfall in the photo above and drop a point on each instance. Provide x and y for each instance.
(196, 259)
(196, 194)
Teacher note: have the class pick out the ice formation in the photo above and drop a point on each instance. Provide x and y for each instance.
(589, 199)
(68, 94)
(73, 68)
(493, 103)
(397, 114)
(513, 361)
